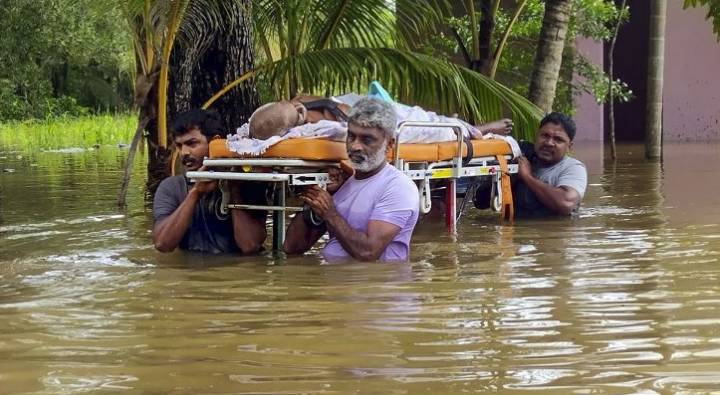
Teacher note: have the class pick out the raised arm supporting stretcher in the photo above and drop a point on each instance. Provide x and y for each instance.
(297, 162)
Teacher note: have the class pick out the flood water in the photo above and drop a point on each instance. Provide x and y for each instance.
(623, 300)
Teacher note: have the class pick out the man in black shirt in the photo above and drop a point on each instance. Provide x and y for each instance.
(187, 215)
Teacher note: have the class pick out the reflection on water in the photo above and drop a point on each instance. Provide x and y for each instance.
(625, 299)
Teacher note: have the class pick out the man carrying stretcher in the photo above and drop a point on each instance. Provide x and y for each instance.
(373, 214)
(186, 214)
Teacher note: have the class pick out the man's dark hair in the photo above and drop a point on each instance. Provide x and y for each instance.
(560, 119)
(208, 122)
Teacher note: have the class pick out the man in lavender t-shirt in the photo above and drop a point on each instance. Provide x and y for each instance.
(373, 214)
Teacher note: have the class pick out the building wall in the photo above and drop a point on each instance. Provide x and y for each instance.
(589, 114)
(691, 92)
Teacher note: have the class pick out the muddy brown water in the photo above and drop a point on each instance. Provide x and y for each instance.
(623, 300)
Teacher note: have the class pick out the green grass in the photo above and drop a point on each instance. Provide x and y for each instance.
(83, 132)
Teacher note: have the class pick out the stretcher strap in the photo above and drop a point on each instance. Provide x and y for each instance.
(470, 151)
(507, 209)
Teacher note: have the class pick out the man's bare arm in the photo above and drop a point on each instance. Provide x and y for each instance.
(249, 231)
(300, 237)
(360, 245)
(561, 200)
(168, 232)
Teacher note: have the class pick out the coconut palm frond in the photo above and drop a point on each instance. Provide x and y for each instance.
(341, 23)
(317, 24)
(269, 21)
(492, 95)
(412, 78)
(419, 19)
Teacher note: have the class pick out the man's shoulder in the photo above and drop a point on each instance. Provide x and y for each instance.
(173, 181)
(566, 164)
(172, 185)
(573, 167)
(399, 184)
(569, 161)
(168, 196)
(395, 177)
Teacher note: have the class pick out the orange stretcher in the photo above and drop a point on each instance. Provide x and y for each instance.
(303, 161)
(328, 150)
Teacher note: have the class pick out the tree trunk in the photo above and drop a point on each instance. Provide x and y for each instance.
(656, 61)
(199, 71)
(611, 75)
(200, 68)
(485, 34)
(548, 58)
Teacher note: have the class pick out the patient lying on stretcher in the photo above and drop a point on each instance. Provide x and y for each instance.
(277, 117)
(312, 116)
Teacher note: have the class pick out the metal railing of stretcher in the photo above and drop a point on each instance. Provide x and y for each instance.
(288, 173)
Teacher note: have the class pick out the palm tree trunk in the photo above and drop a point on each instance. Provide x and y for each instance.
(548, 57)
(656, 60)
(200, 71)
(197, 71)
(486, 29)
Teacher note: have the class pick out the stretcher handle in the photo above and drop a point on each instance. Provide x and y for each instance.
(456, 127)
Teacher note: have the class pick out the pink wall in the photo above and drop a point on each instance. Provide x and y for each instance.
(691, 92)
(589, 114)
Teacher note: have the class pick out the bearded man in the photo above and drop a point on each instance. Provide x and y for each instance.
(373, 214)
(187, 215)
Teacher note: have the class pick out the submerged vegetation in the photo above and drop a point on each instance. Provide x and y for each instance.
(83, 132)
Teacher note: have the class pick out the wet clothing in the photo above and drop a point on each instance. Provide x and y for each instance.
(388, 196)
(568, 172)
(209, 231)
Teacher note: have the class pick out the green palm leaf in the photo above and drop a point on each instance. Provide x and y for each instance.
(411, 78)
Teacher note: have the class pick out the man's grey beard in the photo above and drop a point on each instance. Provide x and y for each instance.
(371, 162)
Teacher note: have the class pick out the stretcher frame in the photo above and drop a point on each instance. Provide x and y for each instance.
(287, 173)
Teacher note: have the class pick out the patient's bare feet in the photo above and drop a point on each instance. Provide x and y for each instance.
(501, 126)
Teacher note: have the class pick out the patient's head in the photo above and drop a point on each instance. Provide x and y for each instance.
(274, 119)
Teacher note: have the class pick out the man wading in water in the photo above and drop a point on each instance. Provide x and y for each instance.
(550, 183)
(187, 215)
(373, 214)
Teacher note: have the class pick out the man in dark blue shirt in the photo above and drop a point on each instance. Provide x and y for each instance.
(187, 215)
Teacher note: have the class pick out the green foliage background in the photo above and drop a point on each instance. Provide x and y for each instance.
(73, 58)
(591, 18)
(63, 57)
